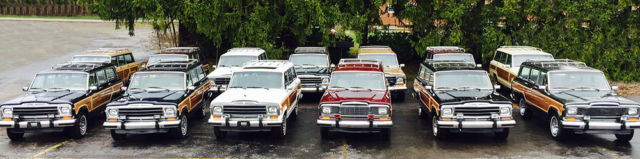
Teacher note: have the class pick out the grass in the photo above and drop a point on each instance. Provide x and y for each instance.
(90, 17)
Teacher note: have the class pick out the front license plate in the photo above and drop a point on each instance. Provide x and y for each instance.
(243, 123)
(33, 125)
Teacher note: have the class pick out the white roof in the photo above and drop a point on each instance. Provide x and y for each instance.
(267, 65)
(244, 51)
(521, 50)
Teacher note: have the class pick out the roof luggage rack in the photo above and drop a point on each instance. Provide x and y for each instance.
(359, 63)
(266, 64)
(443, 49)
(375, 46)
(311, 50)
(78, 66)
(521, 47)
(171, 65)
(452, 65)
(557, 63)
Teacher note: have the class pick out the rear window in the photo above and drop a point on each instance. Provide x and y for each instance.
(128, 58)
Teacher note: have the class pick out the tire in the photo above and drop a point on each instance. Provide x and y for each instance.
(437, 132)
(183, 129)
(555, 129)
(525, 111)
(219, 133)
(79, 129)
(202, 112)
(624, 137)
(324, 132)
(280, 131)
(118, 137)
(400, 96)
(502, 135)
(14, 136)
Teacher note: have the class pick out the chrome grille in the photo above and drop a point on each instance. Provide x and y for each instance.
(310, 80)
(35, 111)
(477, 111)
(222, 81)
(138, 112)
(605, 111)
(244, 109)
(391, 80)
(354, 110)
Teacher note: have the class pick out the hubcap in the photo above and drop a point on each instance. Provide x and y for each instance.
(434, 125)
(184, 126)
(284, 128)
(419, 112)
(522, 107)
(83, 124)
(204, 112)
(553, 126)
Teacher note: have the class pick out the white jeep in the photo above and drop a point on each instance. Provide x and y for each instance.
(229, 62)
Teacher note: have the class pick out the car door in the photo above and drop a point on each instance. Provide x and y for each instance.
(493, 65)
(532, 94)
(197, 82)
(132, 66)
(114, 82)
(293, 86)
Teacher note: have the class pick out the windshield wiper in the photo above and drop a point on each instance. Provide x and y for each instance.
(160, 88)
(360, 88)
(136, 90)
(40, 89)
(339, 87)
(446, 89)
(258, 87)
(468, 88)
(55, 89)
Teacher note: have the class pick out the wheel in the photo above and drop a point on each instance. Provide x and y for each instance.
(295, 113)
(183, 130)
(386, 133)
(219, 133)
(624, 137)
(502, 135)
(78, 130)
(324, 132)
(14, 136)
(118, 137)
(555, 129)
(437, 132)
(400, 96)
(525, 112)
(202, 112)
(280, 131)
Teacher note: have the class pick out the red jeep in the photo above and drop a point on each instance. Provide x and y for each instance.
(357, 99)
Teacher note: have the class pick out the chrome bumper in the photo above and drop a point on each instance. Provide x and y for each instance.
(142, 125)
(38, 124)
(398, 88)
(600, 125)
(486, 124)
(314, 89)
(245, 123)
(217, 88)
(354, 124)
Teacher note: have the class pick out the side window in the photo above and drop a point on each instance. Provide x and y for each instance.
(508, 59)
(189, 82)
(534, 75)
(497, 56)
(293, 74)
(196, 57)
(543, 79)
(287, 78)
(128, 58)
(92, 79)
(121, 60)
(200, 72)
(114, 60)
(111, 74)
(194, 75)
(524, 74)
(102, 77)
(422, 72)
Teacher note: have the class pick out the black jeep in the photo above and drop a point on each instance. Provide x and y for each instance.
(313, 67)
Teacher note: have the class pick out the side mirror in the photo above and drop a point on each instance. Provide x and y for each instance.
(428, 87)
(497, 87)
(123, 89)
(24, 89)
(401, 65)
(191, 88)
(542, 87)
(332, 65)
(507, 66)
(614, 88)
(478, 65)
(93, 88)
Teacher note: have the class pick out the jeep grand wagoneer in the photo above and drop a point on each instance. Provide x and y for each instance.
(392, 70)
(62, 99)
(313, 68)
(120, 57)
(507, 59)
(229, 62)
(575, 98)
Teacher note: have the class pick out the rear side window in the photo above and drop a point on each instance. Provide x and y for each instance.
(543, 79)
(498, 56)
(128, 58)
(423, 70)
(507, 59)
(524, 74)
(121, 60)
(111, 75)
(114, 60)
(534, 75)
(102, 77)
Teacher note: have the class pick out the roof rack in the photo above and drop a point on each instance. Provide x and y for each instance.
(375, 46)
(521, 47)
(451, 64)
(266, 64)
(557, 63)
(311, 50)
(444, 49)
(352, 63)
(179, 49)
(171, 65)
(78, 66)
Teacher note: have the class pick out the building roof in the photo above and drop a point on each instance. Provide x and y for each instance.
(106, 52)
(314, 50)
(557, 64)
(268, 65)
(179, 50)
(245, 51)
(350, 64)
(445, 49)
(521, 50)
(375, 49)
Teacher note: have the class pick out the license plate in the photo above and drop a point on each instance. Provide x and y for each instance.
(33, 125)
(243, 124)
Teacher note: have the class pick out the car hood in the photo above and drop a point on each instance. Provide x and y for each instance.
(470, 96)
(312, 70)
(373, 96)
(588, 97)
(258, 95)
(223, 72)
(151, 97)
(393, 70)
(47, 97)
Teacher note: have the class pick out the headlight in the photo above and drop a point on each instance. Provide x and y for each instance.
(65, 111)
(325, 80)
(7, 112)
(112, 113)
(447, 112)
(169, 112)
(400, 80)
(217, 109)
(272, 110)
(505, 111)
(326, 110)
(633, 111)
(572, 111)
(382, 111)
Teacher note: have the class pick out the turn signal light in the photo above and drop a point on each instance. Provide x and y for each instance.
(505, 118)
(336, 116)
(66, 117)
(113, 120)
(273, 117)
(7, 119)
(571, 119)
(446, 119)
(171, 118)
(217, 116)
(324, 118)
(384, 119)
(633, 119)
(370, 116)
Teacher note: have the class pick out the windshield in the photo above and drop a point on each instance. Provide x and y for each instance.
(462, 80)
(171, 81)
(453, 57)
(386, 59)
(519, 59)
(235, 61)
(256, 80)
(309, 60)
(99, 59)
(578, 80)
(165, 58)
(50, 81)
(357, 80)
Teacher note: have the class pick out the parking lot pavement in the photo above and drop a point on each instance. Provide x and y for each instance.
(411, 138)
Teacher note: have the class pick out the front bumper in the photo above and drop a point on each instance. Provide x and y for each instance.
(599, 125)
(313, 88)
(133, 125)
(245, 123)
(354, 124)
(477, 124)
(217, 88)
(395, 88)
(38, 124)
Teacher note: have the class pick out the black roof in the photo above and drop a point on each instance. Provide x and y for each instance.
(81, 66)
(181, 66)
(557, 64)
(445, 65)
(312, 50)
